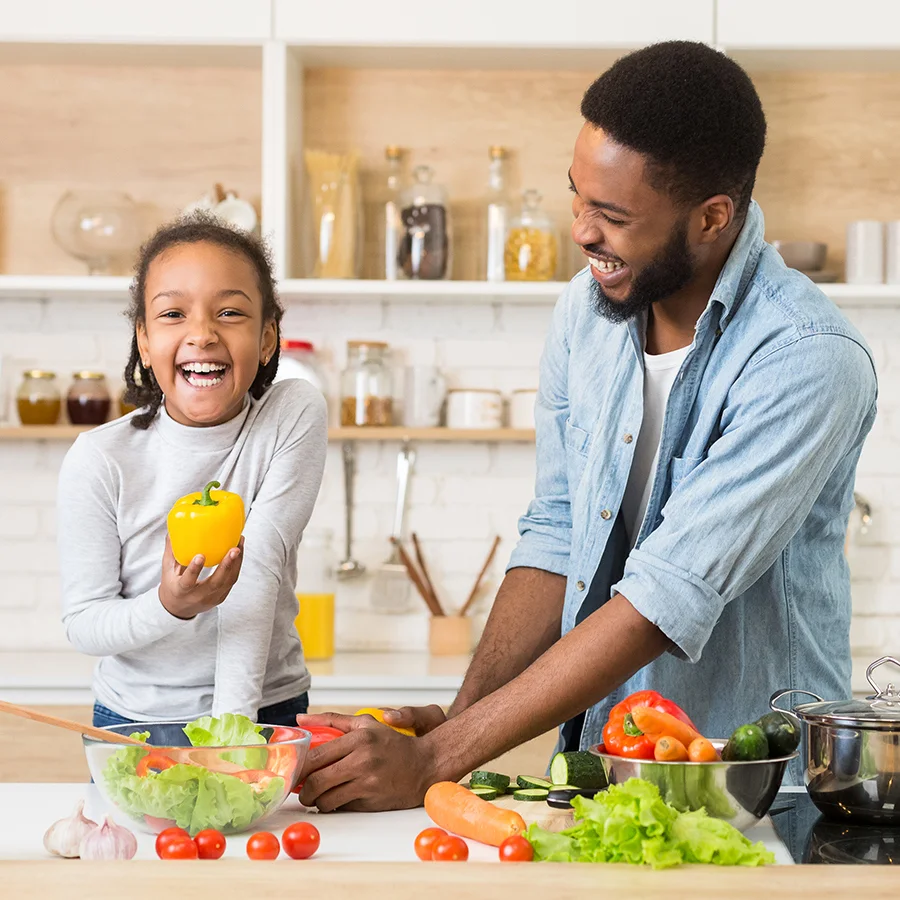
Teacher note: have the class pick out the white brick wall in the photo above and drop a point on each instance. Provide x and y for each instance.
(461, 495)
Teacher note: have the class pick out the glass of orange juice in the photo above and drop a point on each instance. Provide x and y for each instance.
(315, 594)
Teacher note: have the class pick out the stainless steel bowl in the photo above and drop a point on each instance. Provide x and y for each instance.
(852, 752)
(739, 793)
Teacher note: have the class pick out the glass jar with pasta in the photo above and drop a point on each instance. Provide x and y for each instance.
(366, 395)
(531, 245)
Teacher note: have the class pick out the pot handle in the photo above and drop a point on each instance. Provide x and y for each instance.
(773, 701)
(888, 693)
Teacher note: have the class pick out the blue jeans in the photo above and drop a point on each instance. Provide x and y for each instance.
(284, 713)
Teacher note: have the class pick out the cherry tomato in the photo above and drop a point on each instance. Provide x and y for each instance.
(263, 845)
(300, 840)
(450, 849)
(166, 837)
(179, 848)
(516, 849)
(210, 844)
(426, 840)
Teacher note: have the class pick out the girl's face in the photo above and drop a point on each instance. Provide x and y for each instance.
(203, 332)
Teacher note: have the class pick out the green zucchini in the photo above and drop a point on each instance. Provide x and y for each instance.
(747, 744)
(782, 733)
(486, 793)
(490, 779)
(579, 768)
(531, 794)
(527, 781)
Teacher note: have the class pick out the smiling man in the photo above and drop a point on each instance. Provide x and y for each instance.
(701, 412)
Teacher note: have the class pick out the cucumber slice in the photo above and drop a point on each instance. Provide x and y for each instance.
(513, 788)
(527, 781)
(532, 794)
(491, 779)
(486, 793)
(579, 768)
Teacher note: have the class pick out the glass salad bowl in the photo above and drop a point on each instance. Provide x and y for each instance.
(181, 781)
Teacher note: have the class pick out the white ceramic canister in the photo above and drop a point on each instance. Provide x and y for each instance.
(865, 252)
(521, 408)
(474, 408)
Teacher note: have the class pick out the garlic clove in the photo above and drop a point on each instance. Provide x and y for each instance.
(63, 838)
(109, 841)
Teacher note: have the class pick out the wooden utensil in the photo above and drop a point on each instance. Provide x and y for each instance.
(424, 569)
(100, 734)
(471, 599)
(416, 579)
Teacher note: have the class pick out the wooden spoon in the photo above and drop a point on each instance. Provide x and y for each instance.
(100, 734)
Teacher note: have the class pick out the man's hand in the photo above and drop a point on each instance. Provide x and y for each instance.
(183, 595)
(371, 767)
(421, 719)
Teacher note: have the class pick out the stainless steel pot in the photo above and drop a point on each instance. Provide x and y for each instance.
(852, 752)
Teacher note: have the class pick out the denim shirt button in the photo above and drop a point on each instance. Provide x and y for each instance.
(605, 514)
(628, 438)
(579, 585)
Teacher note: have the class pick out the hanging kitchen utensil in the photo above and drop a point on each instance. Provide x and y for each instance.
(391, 589)
(99, 734)
(349, 568)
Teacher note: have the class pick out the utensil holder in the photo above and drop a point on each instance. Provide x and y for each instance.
(450, 635)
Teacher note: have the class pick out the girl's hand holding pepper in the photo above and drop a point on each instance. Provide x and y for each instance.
(184, 596)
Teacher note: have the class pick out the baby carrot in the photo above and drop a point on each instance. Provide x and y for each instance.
(701, 750)
(669, 749)
(655, 725)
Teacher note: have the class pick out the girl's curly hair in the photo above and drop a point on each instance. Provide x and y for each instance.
(141, 387)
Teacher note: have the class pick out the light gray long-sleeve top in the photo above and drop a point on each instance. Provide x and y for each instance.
(117, 484)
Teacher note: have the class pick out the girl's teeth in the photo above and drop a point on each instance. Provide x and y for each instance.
(196, 381)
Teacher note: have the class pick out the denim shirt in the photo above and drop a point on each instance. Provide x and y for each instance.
(739, 560)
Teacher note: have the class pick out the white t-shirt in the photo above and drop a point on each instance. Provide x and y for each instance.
(116, 486)
(660, 372)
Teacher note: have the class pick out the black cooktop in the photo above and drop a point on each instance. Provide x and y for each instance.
(811, 839)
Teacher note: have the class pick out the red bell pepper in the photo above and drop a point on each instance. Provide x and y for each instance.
(153, 760)
(622, 737)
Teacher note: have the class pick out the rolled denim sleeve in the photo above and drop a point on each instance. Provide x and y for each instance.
(546, 528)
(791, 418)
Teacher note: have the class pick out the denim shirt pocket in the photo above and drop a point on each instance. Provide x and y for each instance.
(577, 439)
(578, 447)
(682, 466)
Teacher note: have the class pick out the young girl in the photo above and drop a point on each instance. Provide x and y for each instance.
(174, 647)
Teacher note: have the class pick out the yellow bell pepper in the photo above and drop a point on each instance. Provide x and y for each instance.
(208, 523)
(378, 716)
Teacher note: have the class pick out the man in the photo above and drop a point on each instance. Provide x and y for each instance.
(700, 416)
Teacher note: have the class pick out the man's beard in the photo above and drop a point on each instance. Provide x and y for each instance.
(666, 275)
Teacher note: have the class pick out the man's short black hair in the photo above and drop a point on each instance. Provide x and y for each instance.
(692, 111)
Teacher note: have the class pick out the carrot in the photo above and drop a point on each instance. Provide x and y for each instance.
(669, 749)
(457, 809)
(701, 750)
(655, 725)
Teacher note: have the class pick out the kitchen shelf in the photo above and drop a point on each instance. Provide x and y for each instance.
(425, 435)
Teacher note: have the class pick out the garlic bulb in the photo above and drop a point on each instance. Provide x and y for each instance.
(63, 838)
(109, 841)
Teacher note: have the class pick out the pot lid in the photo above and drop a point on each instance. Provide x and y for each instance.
(880, 711)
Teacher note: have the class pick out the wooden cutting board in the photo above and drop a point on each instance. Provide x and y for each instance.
(531, 811)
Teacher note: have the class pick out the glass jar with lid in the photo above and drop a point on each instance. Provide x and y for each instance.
(366, 395)
(38, 399)
(88, 399)
(425, 232)
(298, 360)
(531, 244)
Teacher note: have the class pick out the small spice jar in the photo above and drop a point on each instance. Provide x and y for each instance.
(88, 400)
(38, 399)
(366, 396)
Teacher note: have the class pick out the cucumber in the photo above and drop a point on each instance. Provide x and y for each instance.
(579, 769)
(747, 744)
(491, 779)
(486, 793)
(781, 732)
(531, 794)
(513, 787)
(527, 781)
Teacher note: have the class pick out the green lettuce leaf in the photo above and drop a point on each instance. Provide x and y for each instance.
(229, 730)
(631, 823)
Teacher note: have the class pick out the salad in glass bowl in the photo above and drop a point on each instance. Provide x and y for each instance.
(228, 773)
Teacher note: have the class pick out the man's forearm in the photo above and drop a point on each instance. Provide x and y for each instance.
(524, 622)
(578, 671)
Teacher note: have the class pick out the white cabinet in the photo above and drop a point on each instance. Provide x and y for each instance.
(132, 21)
(498, 23)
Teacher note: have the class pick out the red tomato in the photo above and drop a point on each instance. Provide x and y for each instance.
(426, 840)
(263, 845)
(210, 844)
(516, 849)
(450, 849)
(280, 733)
(300, 840)
(164, 838)
(179, 848)
(322, 734)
